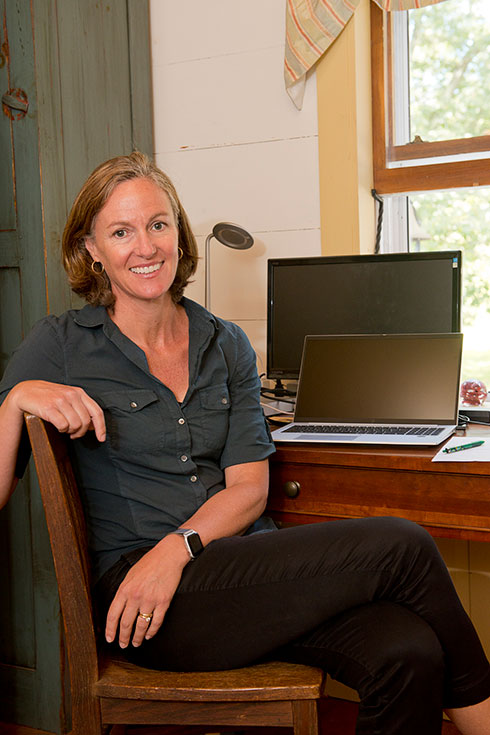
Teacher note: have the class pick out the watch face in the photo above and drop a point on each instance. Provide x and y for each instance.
(194, 542)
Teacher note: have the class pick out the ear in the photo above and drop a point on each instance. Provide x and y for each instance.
(92, 248)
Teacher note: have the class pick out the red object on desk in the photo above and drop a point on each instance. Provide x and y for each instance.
(473, 392)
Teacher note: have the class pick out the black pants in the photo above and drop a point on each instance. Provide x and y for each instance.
(370, 601)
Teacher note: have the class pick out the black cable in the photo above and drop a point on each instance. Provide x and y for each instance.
(278, 392)
(467, 420)
(379, 227)
(270, 394)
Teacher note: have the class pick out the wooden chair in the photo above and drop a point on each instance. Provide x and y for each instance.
(106, 690)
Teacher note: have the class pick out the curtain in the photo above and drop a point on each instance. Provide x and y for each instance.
(312, 25)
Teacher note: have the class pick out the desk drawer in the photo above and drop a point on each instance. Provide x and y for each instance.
(304, 492)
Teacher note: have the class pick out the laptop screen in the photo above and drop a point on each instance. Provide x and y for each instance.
(404, 378)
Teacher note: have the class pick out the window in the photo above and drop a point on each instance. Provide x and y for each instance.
(431, 146)
(413, 69)
(460, 219)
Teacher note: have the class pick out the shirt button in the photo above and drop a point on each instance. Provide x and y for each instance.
(193, 478)
(133, 404)
(224, 401)
(184, 458)
(181, 421)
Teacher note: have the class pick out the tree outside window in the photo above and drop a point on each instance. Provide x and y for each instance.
(432, 137)
(449, 67)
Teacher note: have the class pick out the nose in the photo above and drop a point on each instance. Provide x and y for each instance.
(145, 246)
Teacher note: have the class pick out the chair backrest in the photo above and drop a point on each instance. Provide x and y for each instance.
(67, 533)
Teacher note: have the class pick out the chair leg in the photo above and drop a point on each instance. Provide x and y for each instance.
(305, 716)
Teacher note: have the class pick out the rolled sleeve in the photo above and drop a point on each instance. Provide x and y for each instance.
(249, 438)
(36, 358)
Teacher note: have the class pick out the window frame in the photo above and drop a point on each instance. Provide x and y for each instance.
(424, 177)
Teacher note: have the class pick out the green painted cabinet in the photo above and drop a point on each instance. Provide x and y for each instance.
(75, 83)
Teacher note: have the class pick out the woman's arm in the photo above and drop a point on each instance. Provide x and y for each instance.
(69, 408)
(234, 509)
(151, 583)
(11, 422)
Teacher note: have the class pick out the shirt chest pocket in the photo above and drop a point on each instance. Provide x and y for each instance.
(215, 409)
(134, 422)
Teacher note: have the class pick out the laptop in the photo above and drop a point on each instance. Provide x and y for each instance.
(377, 389)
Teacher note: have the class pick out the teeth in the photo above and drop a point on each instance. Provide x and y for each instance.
(146, 268)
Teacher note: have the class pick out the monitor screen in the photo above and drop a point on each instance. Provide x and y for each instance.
(394, 293)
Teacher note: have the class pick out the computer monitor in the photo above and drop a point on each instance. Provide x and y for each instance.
(357, 294)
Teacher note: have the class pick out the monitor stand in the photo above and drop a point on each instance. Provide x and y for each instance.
(279, 391)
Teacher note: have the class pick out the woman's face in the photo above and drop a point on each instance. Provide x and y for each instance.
(135, 237)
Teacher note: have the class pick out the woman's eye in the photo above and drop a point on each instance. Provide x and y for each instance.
(119, 233)
(158, 226)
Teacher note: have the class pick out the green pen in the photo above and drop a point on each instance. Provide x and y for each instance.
(463, 446)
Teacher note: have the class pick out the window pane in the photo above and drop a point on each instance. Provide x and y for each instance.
(459, 219)
(449, 61)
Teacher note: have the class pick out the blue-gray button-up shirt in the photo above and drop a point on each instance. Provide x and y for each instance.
(162, 459)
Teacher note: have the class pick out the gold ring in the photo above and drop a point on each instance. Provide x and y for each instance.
(146, 617)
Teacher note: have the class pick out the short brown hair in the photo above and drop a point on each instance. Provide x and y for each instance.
(96, 287)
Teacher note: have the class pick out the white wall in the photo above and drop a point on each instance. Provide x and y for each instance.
(234, 144)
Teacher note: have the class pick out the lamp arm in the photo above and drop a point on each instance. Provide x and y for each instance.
(207, 265)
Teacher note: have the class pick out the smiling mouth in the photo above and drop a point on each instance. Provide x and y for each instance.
(146, 268)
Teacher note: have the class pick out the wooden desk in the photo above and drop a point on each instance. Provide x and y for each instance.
(451, 500)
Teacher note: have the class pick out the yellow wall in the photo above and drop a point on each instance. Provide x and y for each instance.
(344, 135)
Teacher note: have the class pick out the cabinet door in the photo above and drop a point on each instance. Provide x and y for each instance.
(84, 69)
(29, 620)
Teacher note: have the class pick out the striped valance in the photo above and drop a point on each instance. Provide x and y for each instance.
(312, 25)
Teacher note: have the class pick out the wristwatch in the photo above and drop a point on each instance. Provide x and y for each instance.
(192, 541)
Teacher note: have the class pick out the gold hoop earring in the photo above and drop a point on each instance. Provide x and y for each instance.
(99, 270)
(181, 253)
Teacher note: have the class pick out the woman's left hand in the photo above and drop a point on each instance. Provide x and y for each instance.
(147, 590)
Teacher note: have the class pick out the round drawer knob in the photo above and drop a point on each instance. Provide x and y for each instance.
(291, 488)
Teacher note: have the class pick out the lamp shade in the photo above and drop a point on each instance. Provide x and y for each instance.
(233, 236)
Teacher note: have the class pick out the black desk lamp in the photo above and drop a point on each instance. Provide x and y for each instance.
(233, 236)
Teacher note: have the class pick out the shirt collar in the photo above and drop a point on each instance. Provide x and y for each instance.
(198, 314)
(91, 316)
(96, 316)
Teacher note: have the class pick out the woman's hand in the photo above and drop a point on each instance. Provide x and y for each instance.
(67, 407)
(148, 589)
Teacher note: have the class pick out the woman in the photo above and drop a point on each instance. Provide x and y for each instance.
(161, 400)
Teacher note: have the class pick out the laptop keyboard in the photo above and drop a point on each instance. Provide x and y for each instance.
(355, 429)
